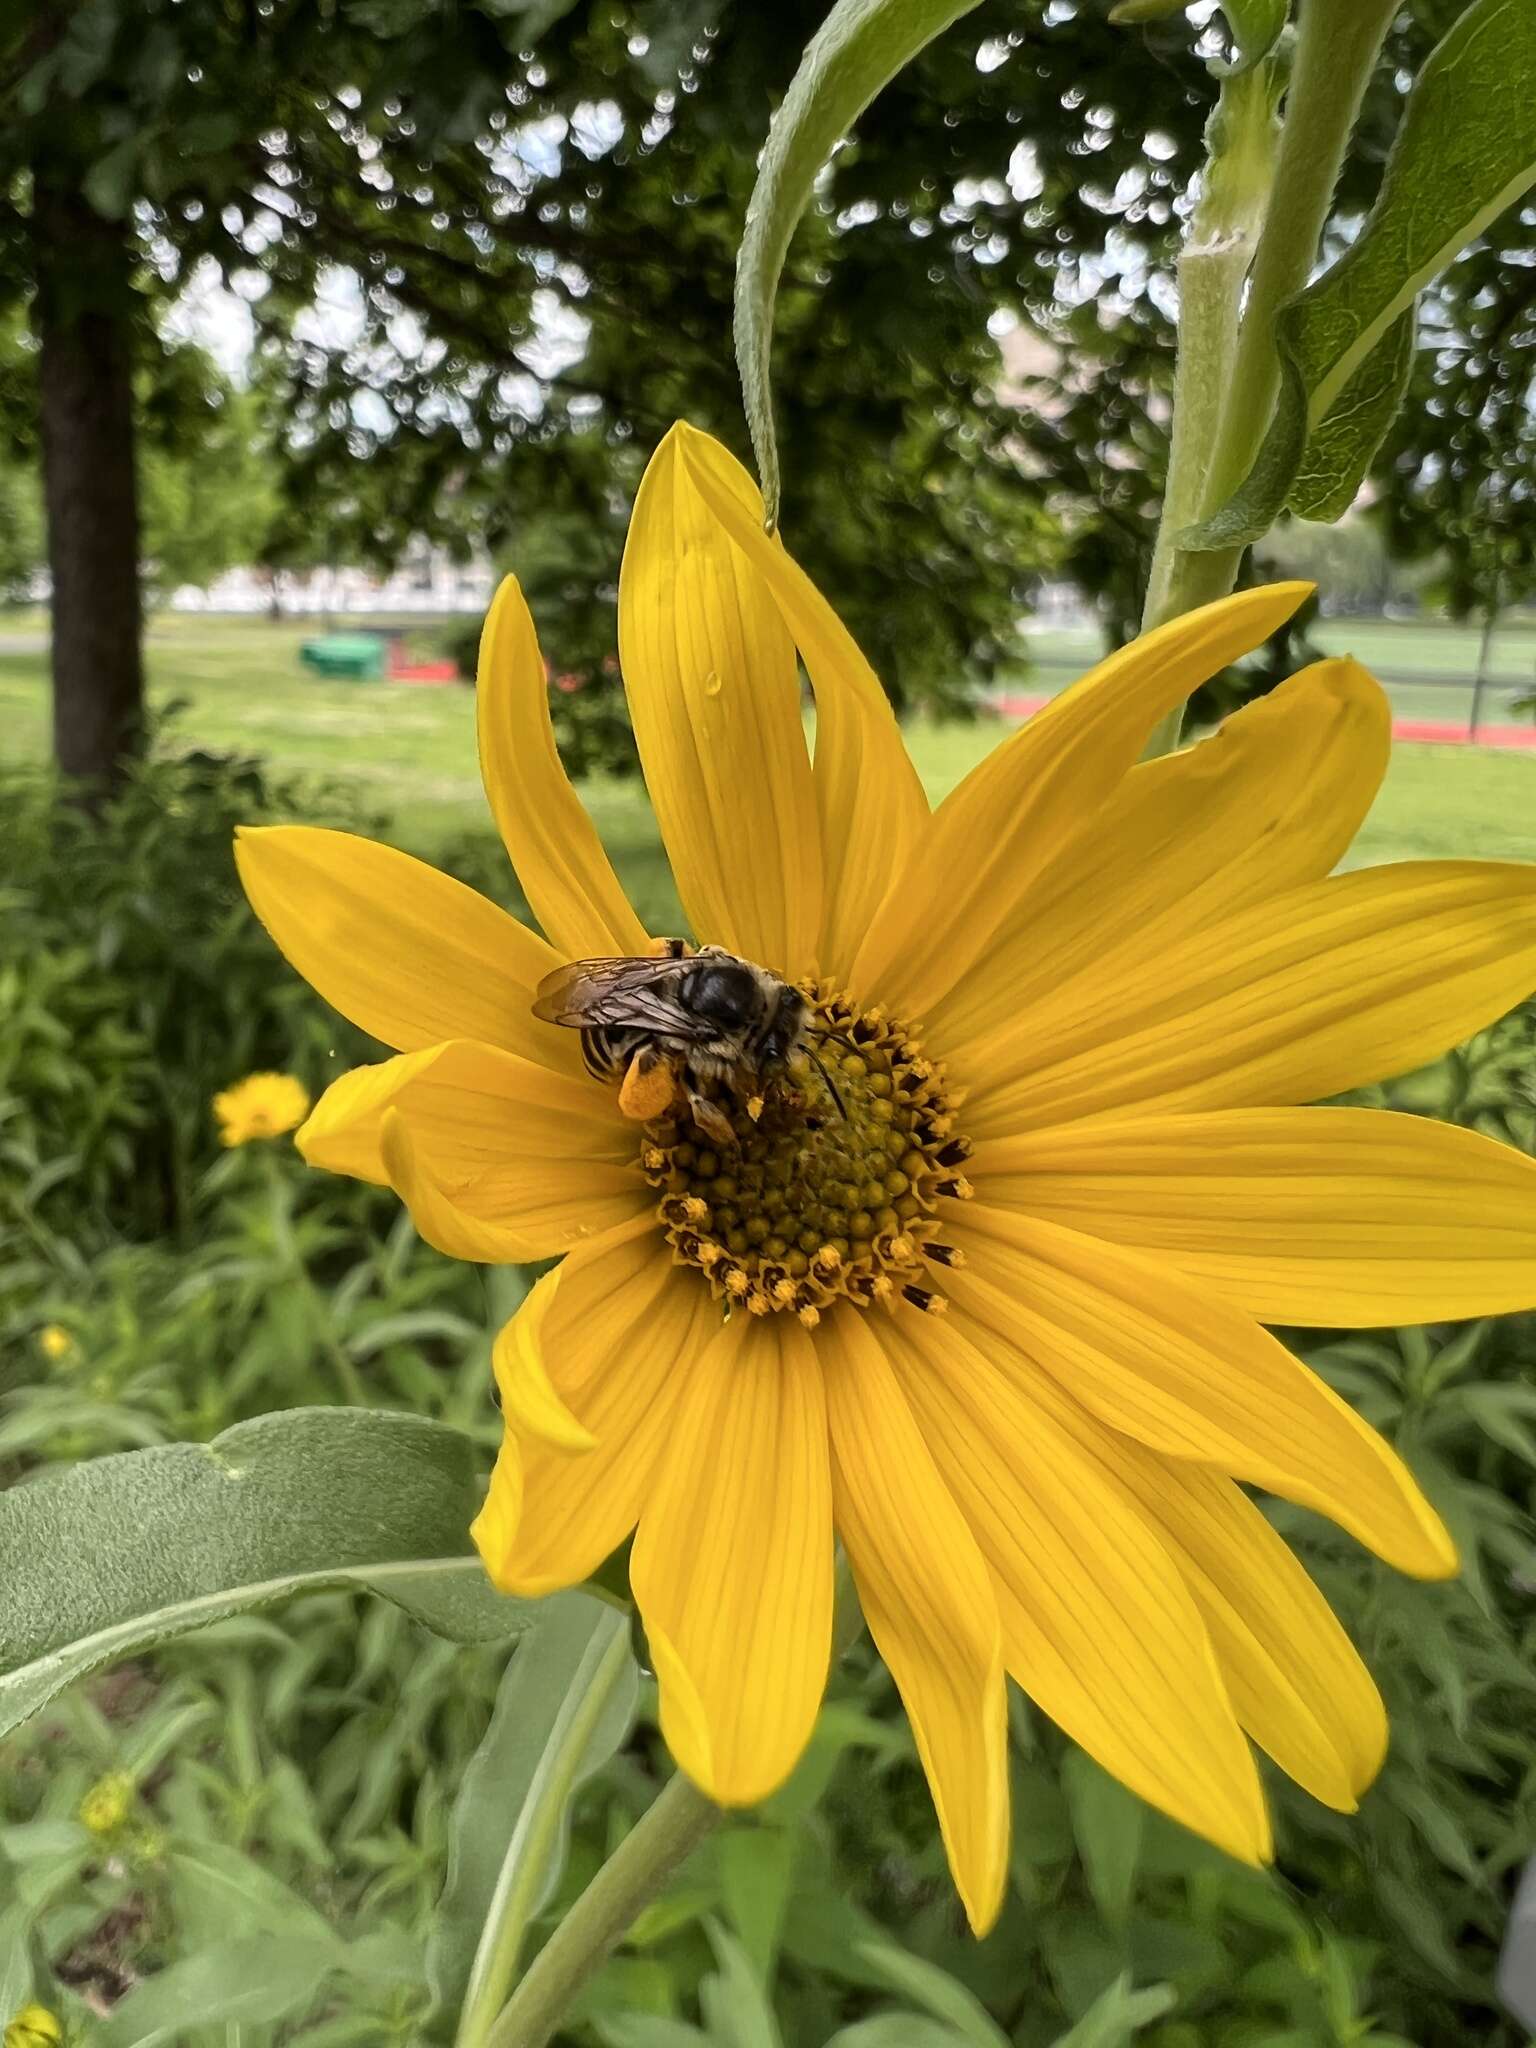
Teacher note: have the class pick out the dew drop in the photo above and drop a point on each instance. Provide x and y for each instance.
(712, 683)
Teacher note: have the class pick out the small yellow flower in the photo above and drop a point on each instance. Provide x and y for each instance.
(261, 1106)
(108, 1803)
(33, 2027)
(55, 1343)
(1074, 1018)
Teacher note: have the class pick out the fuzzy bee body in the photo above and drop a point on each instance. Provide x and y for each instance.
(673, 1023)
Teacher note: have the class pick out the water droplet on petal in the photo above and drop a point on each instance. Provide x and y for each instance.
(712, 683)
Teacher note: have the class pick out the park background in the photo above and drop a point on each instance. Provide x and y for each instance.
(381, 299)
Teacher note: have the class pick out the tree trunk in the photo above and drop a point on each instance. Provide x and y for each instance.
(83, 319)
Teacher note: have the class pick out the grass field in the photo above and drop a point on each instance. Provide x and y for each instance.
(409, 751)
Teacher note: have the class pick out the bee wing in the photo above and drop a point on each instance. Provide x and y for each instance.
(635, 991)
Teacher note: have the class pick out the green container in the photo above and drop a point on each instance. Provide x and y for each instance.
(358, 657)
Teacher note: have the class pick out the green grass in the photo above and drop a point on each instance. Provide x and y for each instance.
(409, 751)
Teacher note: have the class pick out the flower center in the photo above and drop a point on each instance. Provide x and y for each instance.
(830, 1190)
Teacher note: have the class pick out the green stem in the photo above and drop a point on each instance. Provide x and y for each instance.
(670, 1828)
(280, 1201)
(1228, 374)
(675, 1823)
(525, 1870)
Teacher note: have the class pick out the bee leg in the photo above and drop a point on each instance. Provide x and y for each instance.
(669, 949)
(711, 1120)
(649, 1087)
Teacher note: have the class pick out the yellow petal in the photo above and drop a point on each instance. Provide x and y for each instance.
(1297, 1684)
(927, 1596)
(1319, 990)
(1193, 1378)
(615, 1342)
(1020, 808)
(493, 1152)
(494, 1530)
(715, 699)
(566, 876)
(1098, 1626)
(732, 1562)
(870, 805)
(408, 954)
(529, 1401)
(1346, 1217)
(1270, 801)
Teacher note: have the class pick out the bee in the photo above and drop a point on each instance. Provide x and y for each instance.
(667, 1025)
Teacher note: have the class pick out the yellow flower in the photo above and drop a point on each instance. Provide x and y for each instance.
(33, 2027)
(108, 1803)
(55, 1342)
(260, 1106)
(1074, 1014)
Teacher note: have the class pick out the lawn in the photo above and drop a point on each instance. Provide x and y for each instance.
(409, 750)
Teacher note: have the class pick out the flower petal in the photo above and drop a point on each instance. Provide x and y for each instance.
(1296, 1681)
(1346, 1217)
(615, 1342)
(928, 1599)
(732, 1563)
(1014, 813)
(1321, 989)
(1271, 800)
(1098, 1626)
(494, 1530)
(870, 804)
(715, 699)
(491, 1150)
(1193, 1378)
(407, 953)
(566, 876)
(529, 1401)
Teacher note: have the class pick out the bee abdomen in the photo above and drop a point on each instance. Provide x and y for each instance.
(606, 1051)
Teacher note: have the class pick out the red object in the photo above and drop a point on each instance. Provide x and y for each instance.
(1439, 732)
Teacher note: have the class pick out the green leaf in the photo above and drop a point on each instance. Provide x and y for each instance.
(735, 2008)
(15, 1958)
(244, 1981)
(1338, 451)
(647, 2030)
(1465, 150)
(858, 49)
(1117, 2015)
(1107, 1822)
(108, 1557)
(936, 1992)
(756, 1866)
(1256, 26)
(897, 2030)
(565, 1704)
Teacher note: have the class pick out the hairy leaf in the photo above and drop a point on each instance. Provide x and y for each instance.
(859, 48)
(1339, 449)
(109, 1557)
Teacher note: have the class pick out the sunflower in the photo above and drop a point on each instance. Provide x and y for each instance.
(980, 1295)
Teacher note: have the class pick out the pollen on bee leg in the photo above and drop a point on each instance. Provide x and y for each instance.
(755, 1108)
(648, 1088)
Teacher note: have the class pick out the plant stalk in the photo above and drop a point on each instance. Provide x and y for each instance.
(1228, 374)
(666, 1833)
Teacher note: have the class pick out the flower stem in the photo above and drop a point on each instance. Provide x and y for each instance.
(677, 1820)
(675, 1823)
(1264, 206)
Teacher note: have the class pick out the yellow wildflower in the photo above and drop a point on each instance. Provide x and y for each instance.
(33, 2027)
(260, 1106)
(1107, 991)
(108, 1803)
(55, 1343)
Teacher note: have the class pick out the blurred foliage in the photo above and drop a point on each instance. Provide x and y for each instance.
(186, 1829)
